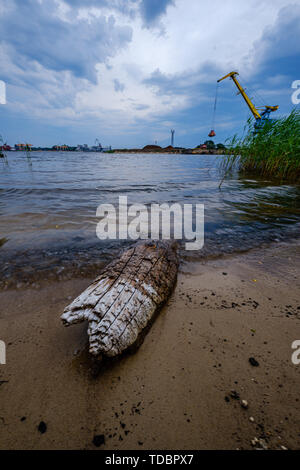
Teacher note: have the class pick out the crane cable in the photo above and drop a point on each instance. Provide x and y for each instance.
(256, 96)
(215, 107)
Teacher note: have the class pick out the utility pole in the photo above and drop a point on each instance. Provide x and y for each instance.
(172, 137)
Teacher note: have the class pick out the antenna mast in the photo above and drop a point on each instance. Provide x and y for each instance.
(172, 137)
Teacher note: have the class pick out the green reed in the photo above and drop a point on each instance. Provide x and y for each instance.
(274, 151)
(2, 153)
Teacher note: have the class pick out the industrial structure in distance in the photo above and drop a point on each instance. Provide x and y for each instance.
(208, 147)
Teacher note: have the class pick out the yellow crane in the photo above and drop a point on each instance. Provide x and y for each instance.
(259, 116)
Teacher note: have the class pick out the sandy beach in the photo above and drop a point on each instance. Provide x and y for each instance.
(183, 387)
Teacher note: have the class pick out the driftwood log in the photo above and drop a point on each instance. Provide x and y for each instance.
(122, 301)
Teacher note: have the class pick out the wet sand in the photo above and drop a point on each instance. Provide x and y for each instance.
(180, 389)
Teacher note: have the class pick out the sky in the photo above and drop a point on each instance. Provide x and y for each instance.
(128, 71)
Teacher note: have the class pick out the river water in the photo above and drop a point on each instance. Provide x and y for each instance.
(48, 205)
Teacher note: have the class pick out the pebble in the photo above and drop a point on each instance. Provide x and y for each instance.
(261, 443)
(251, 419)
(244, 404)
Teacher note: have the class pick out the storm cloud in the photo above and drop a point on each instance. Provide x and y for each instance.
(35, 32)
(151, 10)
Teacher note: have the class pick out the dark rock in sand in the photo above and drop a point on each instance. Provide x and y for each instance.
(253, 362)
(42, 427)
(99, 440)
(234, 395)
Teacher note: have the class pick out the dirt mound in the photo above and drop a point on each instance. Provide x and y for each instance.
(152, 147)
(169, 148)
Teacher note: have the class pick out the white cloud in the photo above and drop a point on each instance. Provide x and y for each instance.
(136, 101)
(197, 32)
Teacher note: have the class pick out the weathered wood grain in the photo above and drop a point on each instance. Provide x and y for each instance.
(121, 302)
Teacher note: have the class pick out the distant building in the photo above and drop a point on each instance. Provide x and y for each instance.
(5, 147)
(83, 148)
(61, 147)
(95, 148)
(23, 147)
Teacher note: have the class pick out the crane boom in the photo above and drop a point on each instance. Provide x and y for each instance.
(267, 109)
(253, 109)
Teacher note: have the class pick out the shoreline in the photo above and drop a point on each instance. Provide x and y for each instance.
(36, 268)
(176, 391)
(180, 151)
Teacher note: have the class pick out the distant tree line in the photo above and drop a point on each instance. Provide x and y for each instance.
(210, 145)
